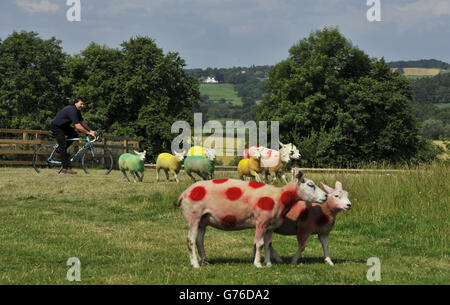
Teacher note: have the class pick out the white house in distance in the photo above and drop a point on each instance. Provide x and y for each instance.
(210, 80)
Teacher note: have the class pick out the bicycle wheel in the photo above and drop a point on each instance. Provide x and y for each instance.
(46, 156)
(101, 160)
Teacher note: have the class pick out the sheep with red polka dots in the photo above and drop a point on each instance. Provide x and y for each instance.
(232, 204)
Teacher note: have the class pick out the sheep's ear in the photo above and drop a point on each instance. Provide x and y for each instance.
(328, 189)
(338, 186)
(136, 152)
(281, 144)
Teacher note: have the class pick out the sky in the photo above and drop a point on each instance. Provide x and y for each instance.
(229, 33)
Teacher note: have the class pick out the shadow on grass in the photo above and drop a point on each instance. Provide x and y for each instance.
(286, 261)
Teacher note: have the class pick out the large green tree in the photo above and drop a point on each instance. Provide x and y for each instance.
(30, 72)
(340, 106)
(135, 91)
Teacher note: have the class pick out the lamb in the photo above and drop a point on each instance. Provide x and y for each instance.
(204, 167)
(133, 164)
(232, 204)
(306, 218)
(251, 167)
(169, 163)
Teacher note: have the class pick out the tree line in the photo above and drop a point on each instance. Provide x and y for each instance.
(338, 105)
(135, 90)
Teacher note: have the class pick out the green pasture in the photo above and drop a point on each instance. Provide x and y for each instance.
(218, 91)
(131, 233)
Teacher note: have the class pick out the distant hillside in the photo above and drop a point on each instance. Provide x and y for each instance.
(423, 63)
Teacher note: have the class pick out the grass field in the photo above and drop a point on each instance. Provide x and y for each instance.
(127, 233)
(219, 91)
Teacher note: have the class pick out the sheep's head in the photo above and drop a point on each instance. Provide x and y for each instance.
(339, 196)
(179, 156)
(257, 154)
(141, 155)
(291, 150)
(307, 189)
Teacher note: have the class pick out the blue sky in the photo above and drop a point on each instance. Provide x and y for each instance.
(226, 33)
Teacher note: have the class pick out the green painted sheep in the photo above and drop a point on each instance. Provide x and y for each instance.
(169, 163)
(132, 163)
(200, 165)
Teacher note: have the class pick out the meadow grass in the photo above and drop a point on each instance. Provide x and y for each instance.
(131, 233)
(218, 91)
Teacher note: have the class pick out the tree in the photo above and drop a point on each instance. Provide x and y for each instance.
(30, 72)
(136, 91)
(347, 108)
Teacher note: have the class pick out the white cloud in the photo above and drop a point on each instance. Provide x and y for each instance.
(409, 15)
(43, 6)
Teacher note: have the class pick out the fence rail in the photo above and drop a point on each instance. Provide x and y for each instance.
(18, 143)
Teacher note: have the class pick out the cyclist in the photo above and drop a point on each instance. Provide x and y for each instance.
(61, 128)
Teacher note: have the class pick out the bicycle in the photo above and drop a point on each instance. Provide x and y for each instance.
(51, 158)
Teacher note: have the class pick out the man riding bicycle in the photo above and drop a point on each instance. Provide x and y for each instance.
(61, 128)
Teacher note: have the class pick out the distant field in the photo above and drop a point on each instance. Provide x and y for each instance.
(442, 106)
(219, 91)
(420, 71)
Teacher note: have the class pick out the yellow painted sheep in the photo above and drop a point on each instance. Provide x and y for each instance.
(251, 167)
(169, 163)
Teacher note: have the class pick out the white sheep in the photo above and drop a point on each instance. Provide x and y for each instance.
(132, 163)
(306, 218)
(169, 163)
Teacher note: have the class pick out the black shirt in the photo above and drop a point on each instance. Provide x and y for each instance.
(67, 115)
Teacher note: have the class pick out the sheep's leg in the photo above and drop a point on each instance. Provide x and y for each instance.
(324, 241)
(133, 174)
(139, 176)
(174, 175)
(190, 175)
(125, 174)
(191, 241)
(166, 172)
(267, 244)
(283, 176)
(200, 243)
(274, 254)
(259, 242)
(142, 177)
(255, 174)
(157, 174)
(302, 238)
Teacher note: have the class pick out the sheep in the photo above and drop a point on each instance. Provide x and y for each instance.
(232, 204)
(209, 153)
(204, 167)
(306, 218)
(275, 162)
(133, 164)
(250, 167)
(169, 163)
(287, 153)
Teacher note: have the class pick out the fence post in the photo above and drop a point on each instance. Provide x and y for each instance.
(104, 150)
(125, 144)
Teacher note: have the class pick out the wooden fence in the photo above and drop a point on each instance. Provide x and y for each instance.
(19, 145)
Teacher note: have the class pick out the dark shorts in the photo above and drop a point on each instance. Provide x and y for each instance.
(61, 135)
